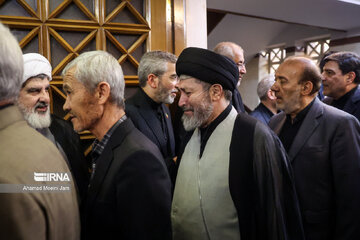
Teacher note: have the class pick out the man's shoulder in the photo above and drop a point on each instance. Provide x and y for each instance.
(28, 147)
(137, 99)
(274, 120)
(136, 104)
(57, 122)
(257, 112)
(333, 113)
(355, 98)
(248, 124)
(63, 130)
(134, 140)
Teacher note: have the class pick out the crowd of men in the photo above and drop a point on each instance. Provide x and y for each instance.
(288, 170)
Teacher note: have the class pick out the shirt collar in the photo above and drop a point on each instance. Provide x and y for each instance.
(154, 105)
(301, 115)
(99, 146)
(266, 109)
(342, 100)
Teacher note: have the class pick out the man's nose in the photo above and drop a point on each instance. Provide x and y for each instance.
(274, 87)
(242, 70)
(182, 100)
(66, 105)
(44, 97)
(323, 76)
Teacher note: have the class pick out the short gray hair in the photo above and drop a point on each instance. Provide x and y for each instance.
(98, 66)
(264, 85)
(227, 49)
(11, 65)
(154, 62)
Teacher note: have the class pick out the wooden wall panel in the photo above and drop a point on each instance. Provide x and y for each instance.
(61, 30)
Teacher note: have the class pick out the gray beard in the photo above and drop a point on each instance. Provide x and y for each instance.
(164, 95)
(34, 119)
(201, 114)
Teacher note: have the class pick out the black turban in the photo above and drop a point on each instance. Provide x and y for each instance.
(208, 66)
(212, 68)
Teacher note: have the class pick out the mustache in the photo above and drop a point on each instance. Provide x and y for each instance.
(41, 105)
(187, 109)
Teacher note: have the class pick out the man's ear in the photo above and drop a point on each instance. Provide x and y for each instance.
(271, 94)
(307, 88)
(350, 77)
(103, 92)
(153, 80)
(216, 91)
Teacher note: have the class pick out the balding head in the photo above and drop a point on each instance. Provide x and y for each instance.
(228, 49)
(235, 53)
(297, 81)
(310, 72)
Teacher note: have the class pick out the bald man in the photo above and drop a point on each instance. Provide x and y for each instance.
(323, 144)
(235, 53)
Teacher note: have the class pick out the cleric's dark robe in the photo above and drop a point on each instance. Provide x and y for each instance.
(261, 183)
(70, 143)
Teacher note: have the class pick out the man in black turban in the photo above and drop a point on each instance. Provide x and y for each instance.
(233, 179)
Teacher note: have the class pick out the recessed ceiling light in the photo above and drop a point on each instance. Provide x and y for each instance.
(357, 2)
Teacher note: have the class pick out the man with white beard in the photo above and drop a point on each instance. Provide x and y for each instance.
(233, 179)
(34, 102)
(147, 109)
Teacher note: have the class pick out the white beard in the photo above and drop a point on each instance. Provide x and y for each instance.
(35, 119)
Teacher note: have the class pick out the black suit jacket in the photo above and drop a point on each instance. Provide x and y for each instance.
(325, 156)
(130, 194)
(352, 106)
(70, 142)
(145, 118)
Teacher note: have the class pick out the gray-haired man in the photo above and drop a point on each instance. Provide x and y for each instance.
(147, 109)
(129, 195)
(267, 107)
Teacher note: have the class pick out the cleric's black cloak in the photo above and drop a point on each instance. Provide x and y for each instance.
(261, 183)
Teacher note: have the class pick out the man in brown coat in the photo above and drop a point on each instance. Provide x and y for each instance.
(37, 195)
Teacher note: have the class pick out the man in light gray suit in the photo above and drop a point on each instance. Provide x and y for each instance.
(30, 206)
(323, 144)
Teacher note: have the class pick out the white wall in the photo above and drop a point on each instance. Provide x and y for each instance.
(255, 35)
(196, 24)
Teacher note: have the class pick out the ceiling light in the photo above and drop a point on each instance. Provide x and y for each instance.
(357, 2)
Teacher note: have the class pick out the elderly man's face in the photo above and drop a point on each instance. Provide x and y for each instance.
(334, 82)
(287, 89)
(196, 104)
(80, 103)
(34, 102)
(240, 63)
(166, 92)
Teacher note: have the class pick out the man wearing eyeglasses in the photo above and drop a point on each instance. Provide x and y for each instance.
(147, 109)
(235, 53)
